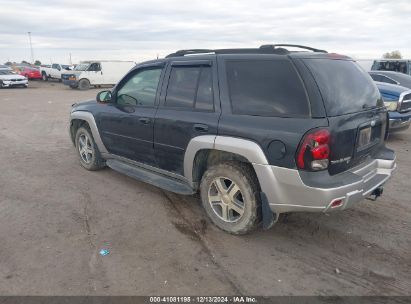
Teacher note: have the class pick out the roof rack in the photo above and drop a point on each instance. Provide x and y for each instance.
(264, 49)
(274, 46)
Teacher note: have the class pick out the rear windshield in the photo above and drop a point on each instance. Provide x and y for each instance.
(344, 86)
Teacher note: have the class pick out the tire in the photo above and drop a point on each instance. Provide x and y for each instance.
(90, 158)
(84, 84)
(44, 76)
(242, 203)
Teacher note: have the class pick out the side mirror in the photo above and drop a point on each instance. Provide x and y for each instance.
(104, 96)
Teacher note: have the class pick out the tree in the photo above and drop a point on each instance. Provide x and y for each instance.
(25, 62)
(392, 55)
(8, 63)
(37, 62)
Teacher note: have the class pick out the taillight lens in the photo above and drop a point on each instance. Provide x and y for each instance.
(314, 151)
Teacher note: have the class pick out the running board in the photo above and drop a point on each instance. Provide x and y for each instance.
(150, 177)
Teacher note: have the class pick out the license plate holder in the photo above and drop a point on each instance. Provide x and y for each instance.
(364, 138)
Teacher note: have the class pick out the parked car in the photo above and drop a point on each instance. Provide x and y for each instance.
(96, 73)
(395, 65)
(258, 132)
(54, 71)
(28, 72)
(391, 78)
(9, 78)
(397, 99)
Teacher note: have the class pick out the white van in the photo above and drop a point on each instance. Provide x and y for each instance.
(96, 73)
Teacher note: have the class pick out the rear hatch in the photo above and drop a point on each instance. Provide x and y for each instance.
(355, 111)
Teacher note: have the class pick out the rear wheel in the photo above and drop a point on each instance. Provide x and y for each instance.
(230, 196)
(44, 76)
(84, 84)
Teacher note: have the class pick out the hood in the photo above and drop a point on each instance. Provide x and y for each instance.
(83, 106)
(11, 76)
(391, 89)
(72, 73)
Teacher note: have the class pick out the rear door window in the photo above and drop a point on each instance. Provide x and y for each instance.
(190, 87)
(266, 88)
(344, 86)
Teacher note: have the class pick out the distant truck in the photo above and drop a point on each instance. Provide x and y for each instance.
(54, 71)
(96, 73)
(395, 65)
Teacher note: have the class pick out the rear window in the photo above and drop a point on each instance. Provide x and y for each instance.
(266, 88)
(344, 86)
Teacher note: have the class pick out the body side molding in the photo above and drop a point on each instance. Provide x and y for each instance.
(89, 118)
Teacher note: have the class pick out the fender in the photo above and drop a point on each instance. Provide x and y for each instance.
(89, 118)
(246, 148)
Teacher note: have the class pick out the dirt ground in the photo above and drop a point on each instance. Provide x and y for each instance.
(55, 217)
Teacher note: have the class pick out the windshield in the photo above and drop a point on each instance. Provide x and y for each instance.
(81, 67)
(6, 72)
(390, 65)
(344, 86)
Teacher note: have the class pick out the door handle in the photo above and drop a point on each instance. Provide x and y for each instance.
(201, 128)
(144, 120)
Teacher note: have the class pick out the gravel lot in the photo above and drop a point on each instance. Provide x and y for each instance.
(55, 217)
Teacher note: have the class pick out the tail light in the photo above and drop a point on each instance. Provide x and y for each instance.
(314, 151)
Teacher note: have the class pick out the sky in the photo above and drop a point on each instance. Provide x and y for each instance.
(142, 30)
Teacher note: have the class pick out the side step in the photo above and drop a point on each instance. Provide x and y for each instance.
(150, 177)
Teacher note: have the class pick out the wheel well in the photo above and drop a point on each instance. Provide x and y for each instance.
(208, 157)
(74, 126)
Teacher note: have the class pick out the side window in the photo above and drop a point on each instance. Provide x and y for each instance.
(94, 67)
(190, 87)
(266, 88)
(205, 99)
(387, 80)
(55, 66)
(140, 89)
(376, 77)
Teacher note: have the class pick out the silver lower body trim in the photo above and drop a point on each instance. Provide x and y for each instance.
(286, 192)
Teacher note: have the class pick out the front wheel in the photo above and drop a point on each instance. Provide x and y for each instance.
(84, 84)
(230, 196)
(88, 152)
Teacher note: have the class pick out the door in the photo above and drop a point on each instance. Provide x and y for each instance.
(127, 123)
(187, 109)
(94, 73)
(55, 70)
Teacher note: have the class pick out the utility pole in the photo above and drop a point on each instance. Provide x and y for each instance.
(31, 48)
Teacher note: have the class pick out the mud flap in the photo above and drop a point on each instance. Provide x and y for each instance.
(269, 218)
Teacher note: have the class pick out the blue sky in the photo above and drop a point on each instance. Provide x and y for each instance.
(141, 30)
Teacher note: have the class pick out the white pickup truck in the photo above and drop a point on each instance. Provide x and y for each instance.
(54, 71)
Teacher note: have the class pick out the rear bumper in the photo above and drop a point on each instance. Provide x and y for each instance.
(287, 192)
(399, 121)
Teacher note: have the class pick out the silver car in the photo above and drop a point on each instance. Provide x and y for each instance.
(9, 78)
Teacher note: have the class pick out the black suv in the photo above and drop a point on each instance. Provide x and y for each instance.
(258, 132)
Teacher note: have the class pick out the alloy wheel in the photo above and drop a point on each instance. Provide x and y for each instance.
(226, 199)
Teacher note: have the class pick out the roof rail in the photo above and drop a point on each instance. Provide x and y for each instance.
(274, 46)
(264, 49)
(189, 52)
